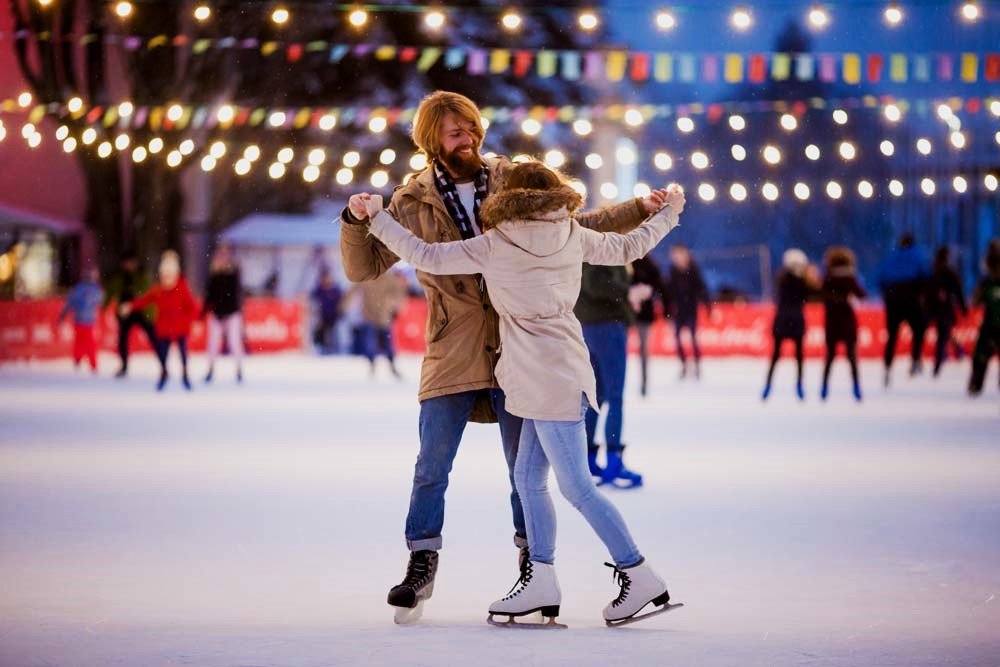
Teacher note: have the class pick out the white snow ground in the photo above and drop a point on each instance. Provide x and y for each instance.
(261, 525)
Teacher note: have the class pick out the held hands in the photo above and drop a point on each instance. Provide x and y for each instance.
(672, 196)
(357, 204)
(373, 205)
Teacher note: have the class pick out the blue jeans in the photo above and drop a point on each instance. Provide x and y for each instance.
(442, 421)
(606, 342)
(563, 445)
(378, 339)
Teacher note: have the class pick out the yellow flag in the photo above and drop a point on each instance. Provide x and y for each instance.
(499, 61)
(385, 52)
(852, 68)
(663, 67)
(970, 67)
(734, 68)
(897, 67)
(617, 60)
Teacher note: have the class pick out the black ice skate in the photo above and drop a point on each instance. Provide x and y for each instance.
(417, 586)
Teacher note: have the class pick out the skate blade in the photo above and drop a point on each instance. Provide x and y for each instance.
(407, 615)
(548, 624)
(639, 617)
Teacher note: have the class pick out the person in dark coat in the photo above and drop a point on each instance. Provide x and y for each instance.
(795, 283)
(647, 286)
(224, 310)
(944, 297)
(987, 295)
(605, 314)
(129, 282)
(902, 278)
(840, 287)
(686, 290)
(327, 296)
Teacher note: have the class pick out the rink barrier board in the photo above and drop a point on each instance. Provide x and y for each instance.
(28, 330)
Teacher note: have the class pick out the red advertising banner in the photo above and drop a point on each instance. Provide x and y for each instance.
(28, 329)
(737, 330)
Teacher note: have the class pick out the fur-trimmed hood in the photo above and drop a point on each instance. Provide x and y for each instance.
(527, 205)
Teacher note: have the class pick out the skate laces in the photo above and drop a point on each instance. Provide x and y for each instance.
(417, 570)
(620, 577)
(522, 582)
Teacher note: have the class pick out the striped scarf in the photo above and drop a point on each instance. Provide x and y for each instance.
(449, 194)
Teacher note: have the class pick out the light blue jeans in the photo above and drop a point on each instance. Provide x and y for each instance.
(563, 446)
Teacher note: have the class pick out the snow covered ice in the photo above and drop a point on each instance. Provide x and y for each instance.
(262, 524)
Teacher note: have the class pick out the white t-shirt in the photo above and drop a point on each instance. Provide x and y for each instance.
(467, 195)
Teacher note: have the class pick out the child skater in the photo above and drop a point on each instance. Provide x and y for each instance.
(840, 286)
(531, 257)
(84, 302)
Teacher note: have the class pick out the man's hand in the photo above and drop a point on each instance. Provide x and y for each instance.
(356, 204)
(672, 195)
(373, 205)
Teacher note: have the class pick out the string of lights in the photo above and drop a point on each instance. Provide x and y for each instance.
(312, 162)
(435, 17)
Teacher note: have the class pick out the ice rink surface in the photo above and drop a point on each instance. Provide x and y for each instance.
(261, 525)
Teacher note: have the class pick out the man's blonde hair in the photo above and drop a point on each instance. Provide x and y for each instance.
(430, 113)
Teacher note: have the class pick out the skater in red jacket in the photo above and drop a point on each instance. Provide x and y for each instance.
(175, 310)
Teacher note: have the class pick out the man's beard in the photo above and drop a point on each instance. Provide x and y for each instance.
(462, 166)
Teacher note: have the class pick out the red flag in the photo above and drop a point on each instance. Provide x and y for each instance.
(294, 53)
(408, 54)
(974, 105)
(993, 67)
(95, 114)
(875, 62)
(758, 68)
(640, 67)
(242, 116)
(522, 63)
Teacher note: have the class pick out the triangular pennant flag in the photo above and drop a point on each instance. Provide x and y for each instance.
(570, 65)
(593, 66)
(734, 68)
(477, 61)
(921, 68)
(688, 68)
(663, 68)
(617, 60)
(898, 66)
(499, 61)
(428, 57)
(852, 68)
(338, 51)
(970, 67)
(710, 68)
(781, 66)
(639, 69)
(805, 67)
(546, 61)
(454, 58)
(946, 67)
(874, 67)
(522, 63)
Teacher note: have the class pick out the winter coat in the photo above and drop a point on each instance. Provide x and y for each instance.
(327, 302)
(903, 274)
(792, 292)
(462, 332)
(604, 295)
(84, 301)
(687, 290)
(532, 261)
(175, 309)
(645, 272)
(988, 295)
(944, 295)
(224, 293)
(382, 298)
(125, 286)
(841, 324)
